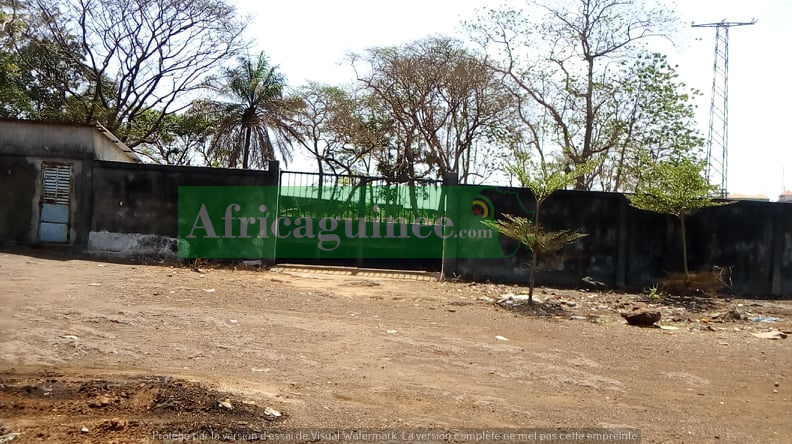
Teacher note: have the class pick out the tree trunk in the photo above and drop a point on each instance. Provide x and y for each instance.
(321, 177)
(585, 156)
(465, 166)
(684, 249)
(414, 199)
(619, 169)
(246, 149)
(410, 156)
(531, 279)
(534, 259)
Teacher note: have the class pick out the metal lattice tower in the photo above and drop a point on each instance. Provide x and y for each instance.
(718, 137)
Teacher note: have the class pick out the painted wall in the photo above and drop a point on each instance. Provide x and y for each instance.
(630, 248)
(135, 206)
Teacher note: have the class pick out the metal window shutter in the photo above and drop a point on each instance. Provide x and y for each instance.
(57, 183)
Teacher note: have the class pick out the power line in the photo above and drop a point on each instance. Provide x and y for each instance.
(718, 137)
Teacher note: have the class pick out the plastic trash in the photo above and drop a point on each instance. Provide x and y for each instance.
(765, 319)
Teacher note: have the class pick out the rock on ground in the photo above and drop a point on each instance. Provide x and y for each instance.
(643, 317)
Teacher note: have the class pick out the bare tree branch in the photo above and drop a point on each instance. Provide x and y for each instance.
(140, 56)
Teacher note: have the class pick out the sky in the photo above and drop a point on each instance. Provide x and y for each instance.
(309, 40)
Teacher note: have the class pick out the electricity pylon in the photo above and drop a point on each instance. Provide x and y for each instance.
(718, 138)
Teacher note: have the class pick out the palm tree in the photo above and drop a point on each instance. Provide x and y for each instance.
(256, 120)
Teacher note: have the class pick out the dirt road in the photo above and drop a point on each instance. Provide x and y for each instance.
(93, 351)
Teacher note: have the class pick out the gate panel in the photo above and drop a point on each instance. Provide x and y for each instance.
(55, 202)
(314, 196)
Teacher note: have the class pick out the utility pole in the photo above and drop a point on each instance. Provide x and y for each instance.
(718, 138)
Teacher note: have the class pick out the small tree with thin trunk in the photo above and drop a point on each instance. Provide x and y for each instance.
(543, 180)
(676, 187)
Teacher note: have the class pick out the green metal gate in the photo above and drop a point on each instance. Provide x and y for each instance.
(370, 199)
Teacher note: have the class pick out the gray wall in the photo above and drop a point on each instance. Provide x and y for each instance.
(629, 248)
(43, 139)
(20, 198)
(46, 140)
(18, 180)
(135, 206)
(131, 208)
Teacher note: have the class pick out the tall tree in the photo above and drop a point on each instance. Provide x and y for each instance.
(441, 97)
(11, 19)
(183, 139)
(327, 122)
(361, 132)
(138, 57)
(567, 74)
(257, 116)
(652, 111)
(23, 92)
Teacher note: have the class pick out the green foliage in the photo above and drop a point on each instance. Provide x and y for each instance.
(676, 187)
(654, 294)
(654, 115)
(128, 65)
(14, 100)
(543, 179)
(182, 139)
(546, 177)
(529, 234)
(665, 110)
(255, 117)
(35, 73)
(562, 63)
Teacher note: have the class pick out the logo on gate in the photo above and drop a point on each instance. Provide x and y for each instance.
(482, 207)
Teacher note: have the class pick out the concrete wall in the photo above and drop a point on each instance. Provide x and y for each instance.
(135, 206)
(129, 209)
(630, 248)
(19, 178)
(21, 194)
(24, 146)
(37, 139)
(45, 139)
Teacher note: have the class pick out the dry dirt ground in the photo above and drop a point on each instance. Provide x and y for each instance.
(95, 351)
